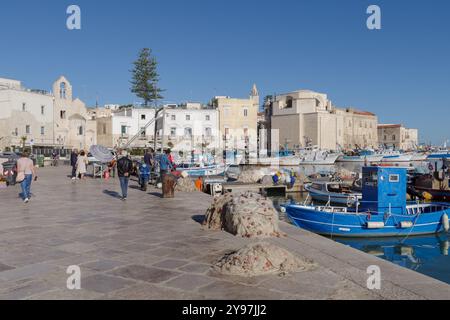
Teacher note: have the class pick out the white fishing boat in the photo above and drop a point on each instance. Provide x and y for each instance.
(397, 156)
(369, 156)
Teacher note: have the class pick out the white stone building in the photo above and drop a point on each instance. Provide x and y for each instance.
(398, 137)
(189, 127)
(117, 129)
(306, 117)
(44, 120)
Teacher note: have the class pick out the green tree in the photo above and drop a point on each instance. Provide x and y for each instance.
(145, 78)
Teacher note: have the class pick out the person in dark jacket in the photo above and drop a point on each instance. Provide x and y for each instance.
(124, 170)
(73, 163)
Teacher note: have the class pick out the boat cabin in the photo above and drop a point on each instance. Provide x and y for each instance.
(384, 190)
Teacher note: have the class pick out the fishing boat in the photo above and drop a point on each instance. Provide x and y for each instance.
(436, 185)
(368, 156)
(437, 155)
(201, 169)
(397, 156)
(305, 156)
(382, 212)
(333, 192)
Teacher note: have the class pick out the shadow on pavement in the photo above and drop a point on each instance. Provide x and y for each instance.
(113, 194)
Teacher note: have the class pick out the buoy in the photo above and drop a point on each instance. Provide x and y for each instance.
(375, 225)
(427, 196)
(406, 224)
(444, 221)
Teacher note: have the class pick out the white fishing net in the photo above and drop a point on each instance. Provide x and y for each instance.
(185, 185)
(260, 259)
(247, 215)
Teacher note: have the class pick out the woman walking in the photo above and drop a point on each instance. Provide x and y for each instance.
(25, 173)
(82, 161)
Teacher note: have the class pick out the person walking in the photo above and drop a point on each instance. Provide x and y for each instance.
(164, 163)
(73, 163)
(82, 162)
(124, 169)
(25, 173)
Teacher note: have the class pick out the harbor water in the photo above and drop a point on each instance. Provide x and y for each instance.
(427, 254)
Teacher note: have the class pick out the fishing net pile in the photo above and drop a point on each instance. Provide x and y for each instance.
(260, 259)
(252, 175)
(247, 215)
(185, 185)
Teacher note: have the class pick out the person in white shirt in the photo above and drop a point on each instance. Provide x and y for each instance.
(26, 168)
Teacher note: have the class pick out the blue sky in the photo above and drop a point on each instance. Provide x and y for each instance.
(212, 47)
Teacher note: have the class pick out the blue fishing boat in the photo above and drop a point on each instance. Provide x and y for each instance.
(382, 212)
(197, 170)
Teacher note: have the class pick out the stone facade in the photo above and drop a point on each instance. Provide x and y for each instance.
(74, 127)
(25, 116)
(188, 127)
(238, 120)
(306, 117)
(398, 137)
(117, 129)
(42, 119)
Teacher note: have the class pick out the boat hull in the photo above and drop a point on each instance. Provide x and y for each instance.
(361, 159)
(205, 171)
(356, 225)
(398, 158)
(338, 198)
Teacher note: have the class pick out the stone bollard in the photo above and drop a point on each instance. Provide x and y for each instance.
(168, 185)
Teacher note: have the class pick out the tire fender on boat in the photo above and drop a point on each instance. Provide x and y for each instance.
(445, 222)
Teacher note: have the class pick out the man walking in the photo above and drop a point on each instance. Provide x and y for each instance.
(73, 163)
(124, 169)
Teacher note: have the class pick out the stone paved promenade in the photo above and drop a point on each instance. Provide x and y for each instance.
(153, 248)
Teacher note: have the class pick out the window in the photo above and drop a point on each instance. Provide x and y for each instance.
(173, 117)
(27, 129)
(123, 130)
(80, 130)
(289, 102)
(245, 112)
(393, 137)
(188, 117)
(394, 178)
(208, 132)
(188, 132)
(24, 106)
(142, 116)
(42, 110)
(62, 90)
(143, 132)
(173, 132)
(104, 128)
(385, 137)
(42, 131)
(16, 132)
(349, 123)
(227, 131)
(62, 114)
(207, 117)
(245, 132)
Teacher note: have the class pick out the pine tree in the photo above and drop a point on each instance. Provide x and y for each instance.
(145, 78)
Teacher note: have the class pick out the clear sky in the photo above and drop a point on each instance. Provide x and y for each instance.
(217, 47)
